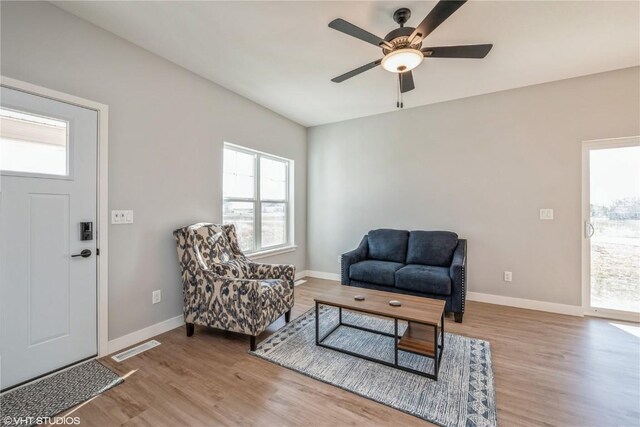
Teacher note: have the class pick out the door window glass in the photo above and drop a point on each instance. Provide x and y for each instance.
(33, 144)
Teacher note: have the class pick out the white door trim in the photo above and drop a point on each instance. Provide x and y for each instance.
(102, 226)
(586, 249)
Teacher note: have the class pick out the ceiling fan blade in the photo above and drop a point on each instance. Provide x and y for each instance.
(357, 71)
(357, 32)
(476, 51)
(406, 81)
(442, 10)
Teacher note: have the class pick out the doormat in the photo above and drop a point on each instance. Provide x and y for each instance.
(33, 403)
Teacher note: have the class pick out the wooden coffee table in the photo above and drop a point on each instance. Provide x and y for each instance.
(424, 335)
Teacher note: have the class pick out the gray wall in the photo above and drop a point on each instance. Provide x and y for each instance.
(480, 166)
(166, 130)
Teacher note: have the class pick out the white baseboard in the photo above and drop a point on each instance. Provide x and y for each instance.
(323, 275)
(144, 334)
(301, 274)
(551, 307)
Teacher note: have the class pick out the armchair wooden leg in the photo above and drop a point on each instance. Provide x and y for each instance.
(287, 316)
(458, 317)
(190, 329)
(252, 343)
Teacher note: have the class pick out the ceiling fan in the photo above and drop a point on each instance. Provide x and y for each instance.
(402, 47)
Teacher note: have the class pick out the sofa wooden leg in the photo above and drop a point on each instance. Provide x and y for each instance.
(190, 329)
(252, 343)
(458, 317)
(287, 316)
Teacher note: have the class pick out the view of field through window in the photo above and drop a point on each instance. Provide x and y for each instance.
(615, 216)
(257, 208)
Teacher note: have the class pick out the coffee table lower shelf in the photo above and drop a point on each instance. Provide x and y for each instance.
(422, 339)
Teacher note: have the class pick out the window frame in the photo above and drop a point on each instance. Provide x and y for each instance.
(258, 202)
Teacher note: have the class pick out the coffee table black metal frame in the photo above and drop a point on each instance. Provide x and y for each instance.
(438, 343)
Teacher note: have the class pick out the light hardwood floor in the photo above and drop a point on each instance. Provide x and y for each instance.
(549, 370)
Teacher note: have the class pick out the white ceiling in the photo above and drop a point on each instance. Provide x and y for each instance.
(282, 54)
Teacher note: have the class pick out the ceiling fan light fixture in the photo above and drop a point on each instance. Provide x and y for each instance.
(402, 60)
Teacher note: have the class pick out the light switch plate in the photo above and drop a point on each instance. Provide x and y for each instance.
(546, 214)
(117, 217)
(121, 217)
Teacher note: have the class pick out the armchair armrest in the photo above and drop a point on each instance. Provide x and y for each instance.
(260, 271)
(355, 256)
(458, 273)
(245, 305)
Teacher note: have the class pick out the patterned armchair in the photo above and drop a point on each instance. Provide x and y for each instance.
(223, 289)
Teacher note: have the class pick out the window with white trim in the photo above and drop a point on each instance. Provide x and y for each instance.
(256, 198)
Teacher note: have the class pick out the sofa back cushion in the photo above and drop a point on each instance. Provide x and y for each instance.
(433, 248)
(388, 245)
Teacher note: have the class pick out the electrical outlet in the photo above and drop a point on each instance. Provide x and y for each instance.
(156, 296)
(508, 276)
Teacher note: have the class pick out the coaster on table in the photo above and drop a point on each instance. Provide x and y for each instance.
(395, 303)
(359, 298)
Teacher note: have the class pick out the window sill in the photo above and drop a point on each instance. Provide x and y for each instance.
(271, 252)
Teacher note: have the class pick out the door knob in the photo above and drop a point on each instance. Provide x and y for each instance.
(85, 253)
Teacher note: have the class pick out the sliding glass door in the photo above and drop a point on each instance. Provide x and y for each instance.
(611, 234)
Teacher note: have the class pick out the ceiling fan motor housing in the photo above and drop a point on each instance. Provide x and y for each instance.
(399, 39)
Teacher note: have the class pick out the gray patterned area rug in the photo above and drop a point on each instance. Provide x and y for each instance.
(463, 396)
(51, 395)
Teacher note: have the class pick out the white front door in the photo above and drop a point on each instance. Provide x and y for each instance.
(611, 235)
(48, 196)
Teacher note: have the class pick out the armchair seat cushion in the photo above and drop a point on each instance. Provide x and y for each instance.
(378, 272)
(425, 279)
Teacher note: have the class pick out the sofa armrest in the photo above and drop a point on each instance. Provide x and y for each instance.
(458, 273)
(260, 271)
(349, 258)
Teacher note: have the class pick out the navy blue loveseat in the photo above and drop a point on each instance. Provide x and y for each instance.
(424, 263)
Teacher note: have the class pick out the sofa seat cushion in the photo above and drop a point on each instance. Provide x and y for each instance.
(378, 272)
(388, 245)
(425, 279)
(431, 248)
